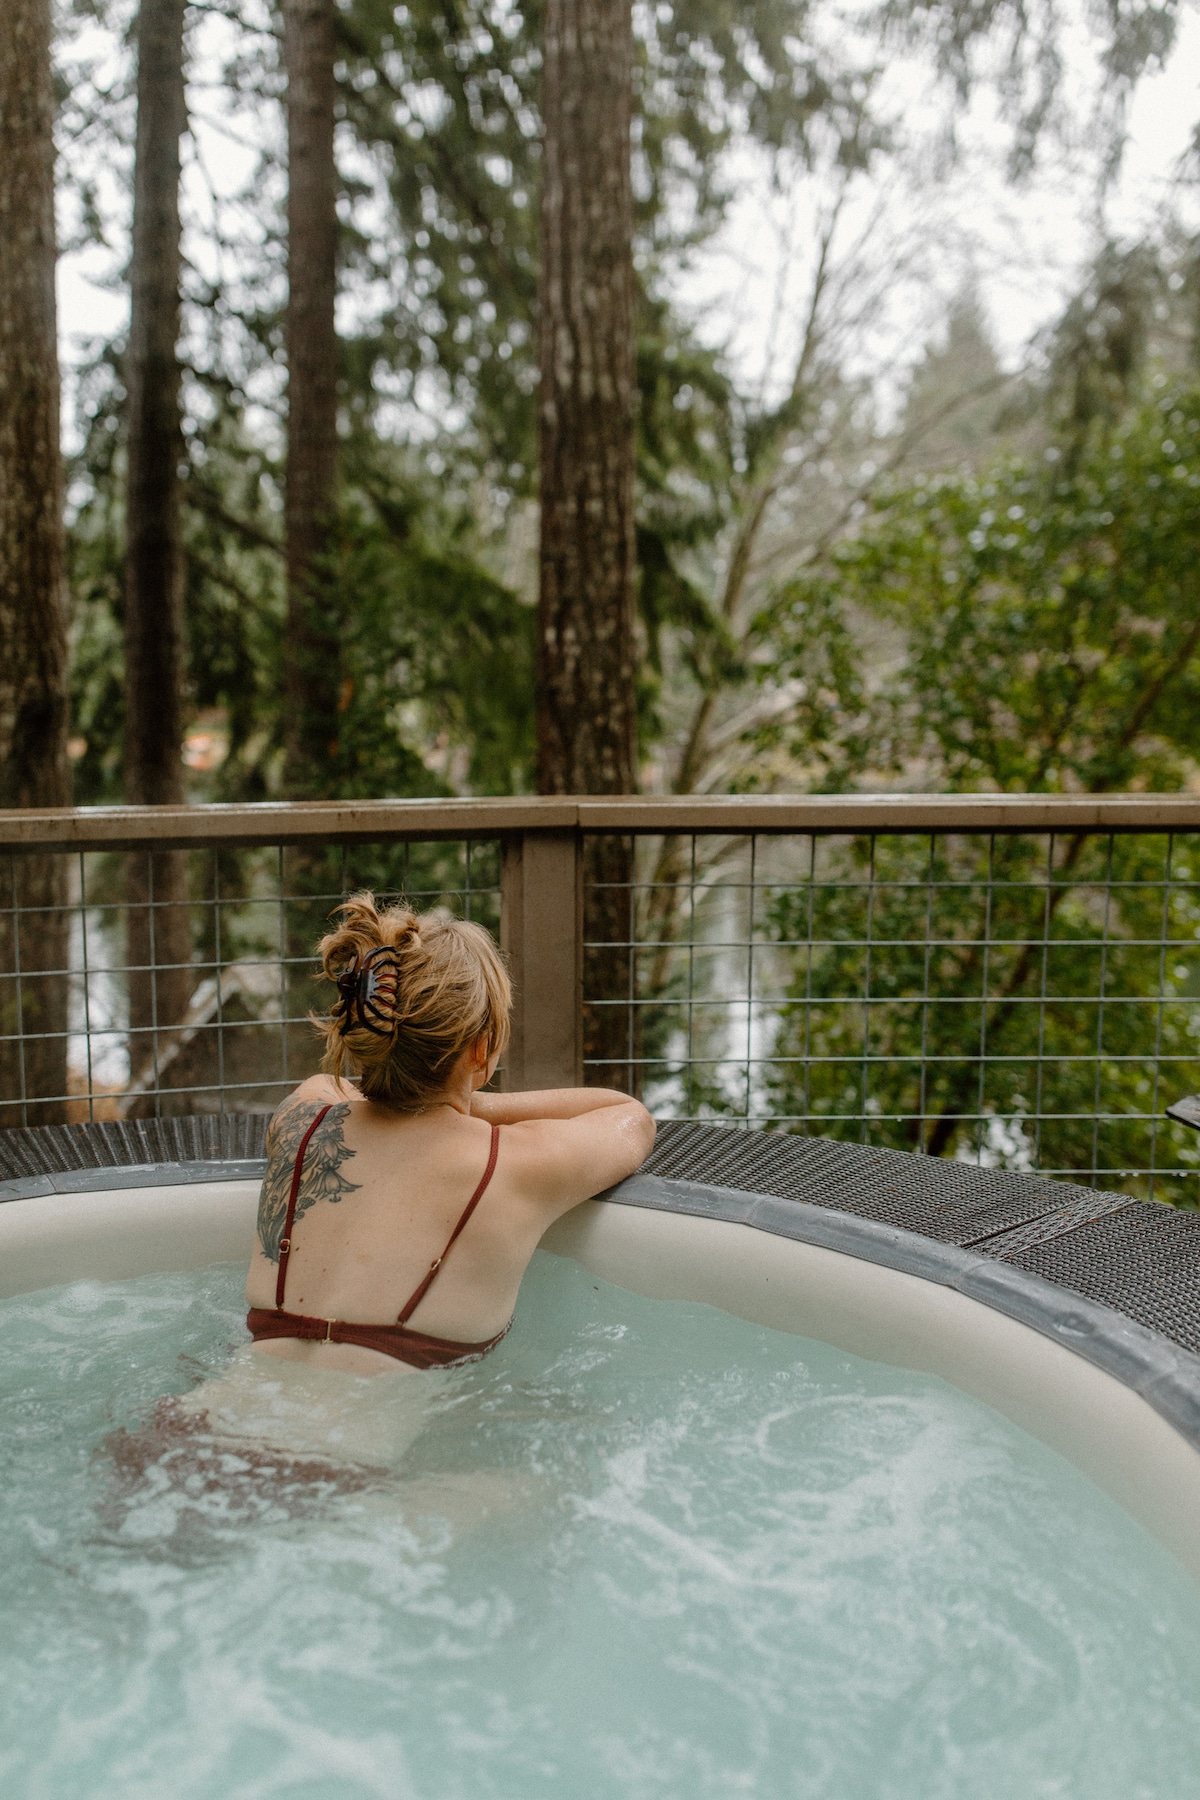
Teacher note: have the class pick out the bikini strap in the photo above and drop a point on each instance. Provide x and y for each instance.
(285, 1242)
(472, 1203)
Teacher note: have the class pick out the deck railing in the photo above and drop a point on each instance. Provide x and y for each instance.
(1007, 979)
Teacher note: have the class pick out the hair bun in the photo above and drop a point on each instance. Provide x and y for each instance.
(413, 991)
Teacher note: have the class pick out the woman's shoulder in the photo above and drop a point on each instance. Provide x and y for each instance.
(325, 1090)
(304, 1103)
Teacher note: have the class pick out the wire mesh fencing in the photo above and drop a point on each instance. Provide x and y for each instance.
(1025, 998)
(1021, 1000)
(150, 983)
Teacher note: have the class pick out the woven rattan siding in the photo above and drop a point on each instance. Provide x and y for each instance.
(1144, 1261)
(956, 1203)
(50, 1149)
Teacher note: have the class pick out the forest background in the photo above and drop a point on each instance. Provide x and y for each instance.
(873, 549)
(755, 473)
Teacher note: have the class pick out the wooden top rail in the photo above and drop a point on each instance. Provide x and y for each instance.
(375, 821)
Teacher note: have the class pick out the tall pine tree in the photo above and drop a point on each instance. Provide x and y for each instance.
(33, 601)
(312, 680)
(159, 938)
(587, 655)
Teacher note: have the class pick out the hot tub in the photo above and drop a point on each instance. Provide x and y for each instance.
(976, 1714)
(1119, 1399)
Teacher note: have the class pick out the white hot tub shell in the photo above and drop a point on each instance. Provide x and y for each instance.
(655, 1241)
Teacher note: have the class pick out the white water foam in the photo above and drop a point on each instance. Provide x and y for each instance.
(644, 1551)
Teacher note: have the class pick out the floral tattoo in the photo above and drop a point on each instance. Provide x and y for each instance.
(322, 1178)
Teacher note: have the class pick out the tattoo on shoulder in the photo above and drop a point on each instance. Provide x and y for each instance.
(322, 1178)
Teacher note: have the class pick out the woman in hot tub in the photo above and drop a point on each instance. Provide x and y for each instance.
(398, 1215)
(397, 1218)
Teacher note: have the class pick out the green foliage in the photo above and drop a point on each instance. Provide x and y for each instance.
(436, 653)
(1050, 619)
(444, 99)
(804, 642)
(440, 161)
(434, 648)
(686, 450)
(1027, 53)
(944, 985)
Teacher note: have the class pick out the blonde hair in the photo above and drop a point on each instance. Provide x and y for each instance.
(415, 989)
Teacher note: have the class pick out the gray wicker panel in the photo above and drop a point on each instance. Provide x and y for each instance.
(1007, 1244)
(50, 1149)
(1143, 1260)
(956, 1203)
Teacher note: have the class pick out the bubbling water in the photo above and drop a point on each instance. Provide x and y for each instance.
(645, 1550)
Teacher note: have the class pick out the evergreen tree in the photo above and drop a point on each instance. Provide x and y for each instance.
(587, 657)
(587, 675)
(159, 932)
(955, 406)
(33, 600)
(311, 647)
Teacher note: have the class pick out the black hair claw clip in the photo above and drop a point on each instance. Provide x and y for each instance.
(368, 991)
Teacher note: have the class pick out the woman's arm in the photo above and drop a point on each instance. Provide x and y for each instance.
(557, 1162)
(543, 1103)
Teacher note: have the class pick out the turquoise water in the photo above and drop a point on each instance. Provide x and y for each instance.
(645, 1550)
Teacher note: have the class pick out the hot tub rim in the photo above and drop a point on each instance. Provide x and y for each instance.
(1162, 1373)
(1159, 1371)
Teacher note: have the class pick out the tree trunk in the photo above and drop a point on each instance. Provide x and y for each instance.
(159, 935)
(33, 593)
(587, 659)
(311, 673)
(587, 669)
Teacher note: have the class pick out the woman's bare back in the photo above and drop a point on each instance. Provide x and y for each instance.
(381, 1193)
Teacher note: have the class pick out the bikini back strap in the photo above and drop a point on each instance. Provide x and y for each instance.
(472, 1203)
(285, 1242)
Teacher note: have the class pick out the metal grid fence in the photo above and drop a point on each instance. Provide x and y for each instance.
(154, 983)
(1015, 997)
(1023, 1000)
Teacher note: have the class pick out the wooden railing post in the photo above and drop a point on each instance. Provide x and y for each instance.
(541, 933)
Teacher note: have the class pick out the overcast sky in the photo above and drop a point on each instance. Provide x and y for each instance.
(1023, 246)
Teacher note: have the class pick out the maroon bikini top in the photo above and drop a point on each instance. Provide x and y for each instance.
(414, 1347)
